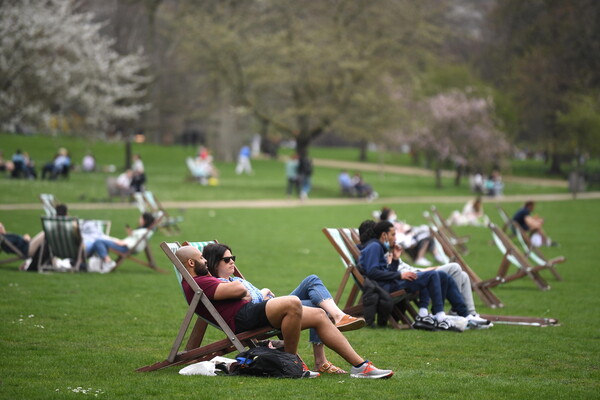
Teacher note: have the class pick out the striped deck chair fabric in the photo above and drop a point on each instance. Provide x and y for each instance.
(63, 238)
(49, 204)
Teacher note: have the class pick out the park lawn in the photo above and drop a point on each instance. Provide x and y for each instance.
(169, 179)
(63, 331)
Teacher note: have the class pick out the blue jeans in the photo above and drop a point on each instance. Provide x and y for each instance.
(311, 293)
(450, 291)
(433, 284)
(100, 247)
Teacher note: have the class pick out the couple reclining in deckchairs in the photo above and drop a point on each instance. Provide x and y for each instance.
(227, 303)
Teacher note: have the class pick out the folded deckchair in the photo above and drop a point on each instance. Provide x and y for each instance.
(195, 351)
(512, 255)
(63, 240)
(458, 241)
(344, 242)
(453, 255)
(147, 202)
(534, 254)
(142, 245)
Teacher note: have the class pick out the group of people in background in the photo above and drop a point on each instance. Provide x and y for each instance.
(96, 243)
(355, 186)
(491, 186)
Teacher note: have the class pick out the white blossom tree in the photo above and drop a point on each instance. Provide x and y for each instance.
(459, 128)
(55, 63)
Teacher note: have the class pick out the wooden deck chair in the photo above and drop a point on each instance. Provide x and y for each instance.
(147, 202)
(143, 242)
(194, 350)
(447, 249)
(440, 222)
(10, 248)
(512, 255)
(63, 239)
(343, 241)
(534, 254)
(484, 292)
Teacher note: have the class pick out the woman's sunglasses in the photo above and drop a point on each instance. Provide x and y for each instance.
(228, 259)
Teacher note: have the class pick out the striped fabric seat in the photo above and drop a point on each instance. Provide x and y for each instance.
(63, 238)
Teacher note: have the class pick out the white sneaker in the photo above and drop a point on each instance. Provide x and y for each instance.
(476, 322)
(369, 371)
(94, 264)
(26, 264)
(108, 266)
(423, 262)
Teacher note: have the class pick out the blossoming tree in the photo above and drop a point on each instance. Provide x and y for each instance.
(54, 62)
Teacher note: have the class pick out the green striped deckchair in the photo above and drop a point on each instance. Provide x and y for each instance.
(63, 239)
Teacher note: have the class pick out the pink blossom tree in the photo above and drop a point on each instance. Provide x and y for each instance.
(460, 128)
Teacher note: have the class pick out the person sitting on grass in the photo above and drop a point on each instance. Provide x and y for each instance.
(311, 292)
(232, 301)
(100, 247)
(380, 259)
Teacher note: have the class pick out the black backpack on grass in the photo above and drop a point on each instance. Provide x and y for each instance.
(268, 362)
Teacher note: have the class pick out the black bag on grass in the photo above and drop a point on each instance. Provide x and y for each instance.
(268, 362)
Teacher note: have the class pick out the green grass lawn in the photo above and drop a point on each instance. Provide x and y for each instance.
(64, 331)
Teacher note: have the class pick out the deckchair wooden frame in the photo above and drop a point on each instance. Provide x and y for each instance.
(194, 351)
(63, 239)
(19, 256)
(512, 255)
(534, 254)
(459, 241)
(146, 201)
(344, 242)
(129, 254)
(484, 292)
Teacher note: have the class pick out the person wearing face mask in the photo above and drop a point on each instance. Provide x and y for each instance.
(380, 260)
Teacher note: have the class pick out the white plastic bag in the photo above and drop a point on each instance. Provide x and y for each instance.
(206, 368)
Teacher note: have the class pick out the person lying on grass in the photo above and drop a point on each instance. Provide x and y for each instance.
(232, 301)
(311, 292)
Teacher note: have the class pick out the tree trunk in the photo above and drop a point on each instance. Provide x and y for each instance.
(362, 146)
(555, 164)
(459, 174)
(438, 175)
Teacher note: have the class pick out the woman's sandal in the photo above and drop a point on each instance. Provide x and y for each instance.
(329, 368)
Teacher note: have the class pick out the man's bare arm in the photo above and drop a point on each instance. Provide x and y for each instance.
(230, 290)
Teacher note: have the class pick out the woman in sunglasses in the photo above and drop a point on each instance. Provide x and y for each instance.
(311, 291)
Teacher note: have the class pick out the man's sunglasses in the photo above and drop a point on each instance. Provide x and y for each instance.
(228, 259)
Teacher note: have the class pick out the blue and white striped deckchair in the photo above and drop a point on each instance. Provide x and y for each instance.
(194, 350)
